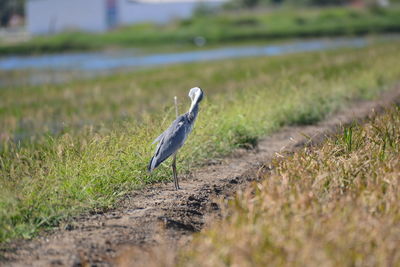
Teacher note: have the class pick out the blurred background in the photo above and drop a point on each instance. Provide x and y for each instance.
(45, 44)
(34, 17)
(53, 41)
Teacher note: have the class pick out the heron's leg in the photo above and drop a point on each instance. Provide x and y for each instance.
(176, 181)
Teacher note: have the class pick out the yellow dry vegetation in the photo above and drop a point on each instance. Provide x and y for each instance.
(333, 205)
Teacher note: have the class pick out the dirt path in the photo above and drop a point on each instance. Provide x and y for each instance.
(160, 214)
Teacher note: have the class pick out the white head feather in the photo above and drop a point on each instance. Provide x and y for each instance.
(196, 95)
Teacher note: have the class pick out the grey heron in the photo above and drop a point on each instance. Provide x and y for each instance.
(172, 139)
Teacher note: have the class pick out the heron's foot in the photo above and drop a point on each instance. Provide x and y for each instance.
(177, 187)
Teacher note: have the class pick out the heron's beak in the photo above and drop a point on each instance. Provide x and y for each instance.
(192, 105)
(195, 100)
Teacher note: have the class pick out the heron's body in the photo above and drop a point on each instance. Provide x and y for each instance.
(172, 139)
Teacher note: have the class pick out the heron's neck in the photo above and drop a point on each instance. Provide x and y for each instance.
(194, 109)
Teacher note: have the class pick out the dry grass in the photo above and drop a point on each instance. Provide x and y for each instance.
(333, 205)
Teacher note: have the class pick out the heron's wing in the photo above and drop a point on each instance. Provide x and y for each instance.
(169, 141)
(171, 128)
(172, 139)
(158, 139)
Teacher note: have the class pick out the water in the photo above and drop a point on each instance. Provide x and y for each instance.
(95, 61)
(61, 67)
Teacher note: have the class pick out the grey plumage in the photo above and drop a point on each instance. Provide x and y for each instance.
(171, 140)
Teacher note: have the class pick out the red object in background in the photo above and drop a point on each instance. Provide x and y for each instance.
(358, 3)
(15, 21)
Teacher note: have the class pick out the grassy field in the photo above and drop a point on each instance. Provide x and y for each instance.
(332, 205)
(222, 29)
(103, 145)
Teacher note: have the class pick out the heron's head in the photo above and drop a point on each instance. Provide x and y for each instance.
(196, 94)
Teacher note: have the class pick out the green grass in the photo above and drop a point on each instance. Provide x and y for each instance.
(102, 152)
(332, 205)
(223, 28)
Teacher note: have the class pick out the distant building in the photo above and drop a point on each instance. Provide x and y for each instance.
(52, 16)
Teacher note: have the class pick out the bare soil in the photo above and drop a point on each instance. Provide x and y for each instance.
(159, 215)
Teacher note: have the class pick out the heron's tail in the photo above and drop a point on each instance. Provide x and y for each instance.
(154, 163)
(149, 167)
